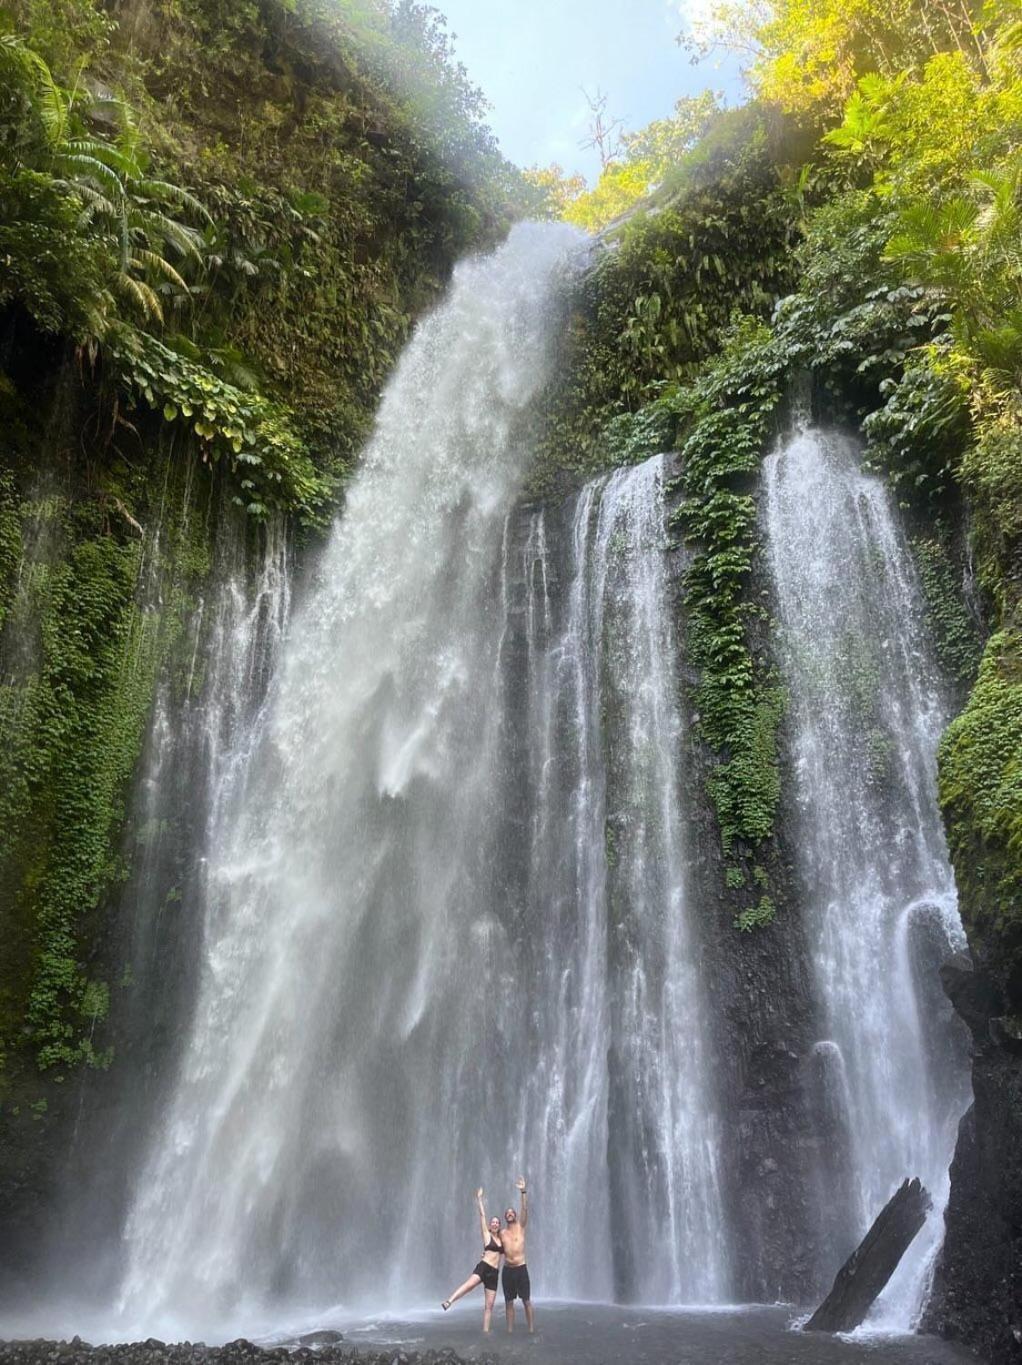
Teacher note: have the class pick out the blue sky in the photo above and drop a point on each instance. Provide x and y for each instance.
(533, 57)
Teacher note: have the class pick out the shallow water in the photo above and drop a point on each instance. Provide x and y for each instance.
(598, 1334)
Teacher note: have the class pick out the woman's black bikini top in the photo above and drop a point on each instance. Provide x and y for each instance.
(491, 1245)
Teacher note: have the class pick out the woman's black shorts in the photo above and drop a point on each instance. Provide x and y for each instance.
(488, 1275)
(516, 1283)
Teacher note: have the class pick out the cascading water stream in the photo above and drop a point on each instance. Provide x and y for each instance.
(621, 1053)
(445, 933)
(866, 716)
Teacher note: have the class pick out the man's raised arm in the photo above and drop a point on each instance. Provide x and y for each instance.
(523, 1215)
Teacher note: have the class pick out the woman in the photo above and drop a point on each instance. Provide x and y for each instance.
(485, 1272)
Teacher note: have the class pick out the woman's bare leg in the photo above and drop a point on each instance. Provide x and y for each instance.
(463, 1289)
(489, 1296)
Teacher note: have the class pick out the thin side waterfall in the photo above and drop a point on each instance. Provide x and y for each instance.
(197, 742)
(866, 714)
(445, 932)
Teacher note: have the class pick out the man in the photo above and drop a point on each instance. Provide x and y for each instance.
(516, 1272)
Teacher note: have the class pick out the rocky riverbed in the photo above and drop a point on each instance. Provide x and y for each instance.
(329, 1349)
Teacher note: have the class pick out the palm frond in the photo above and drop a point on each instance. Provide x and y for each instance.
(78, 168)
(96, 205)
(930, 239)
(235, 367)
(164, 192)
(51, 104)
(185, 240)
(152, 260)
(1000, 348)
(105, 152)
(141, 294)
(53, 111)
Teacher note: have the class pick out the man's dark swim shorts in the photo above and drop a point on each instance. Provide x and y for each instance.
(516, 1283)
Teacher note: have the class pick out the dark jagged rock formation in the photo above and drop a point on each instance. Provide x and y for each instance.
(863, 1276)
(977, 1293)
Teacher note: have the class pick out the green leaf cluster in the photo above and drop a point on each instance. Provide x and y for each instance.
(252, 435)
(758, 916)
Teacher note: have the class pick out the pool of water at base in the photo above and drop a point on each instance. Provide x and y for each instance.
(597, 1334)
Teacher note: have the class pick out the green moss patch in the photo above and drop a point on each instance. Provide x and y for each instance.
(981, 795)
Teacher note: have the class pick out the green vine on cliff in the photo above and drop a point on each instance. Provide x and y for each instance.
(738, 700)
(83, 642)
(73, 728)
(10, 541)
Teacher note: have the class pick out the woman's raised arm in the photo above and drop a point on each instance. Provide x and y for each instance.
(482, 1215)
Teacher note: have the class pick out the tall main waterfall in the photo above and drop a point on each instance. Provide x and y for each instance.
(866, 715)
(445, 928)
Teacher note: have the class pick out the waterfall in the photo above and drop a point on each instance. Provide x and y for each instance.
(197, 740)
(619, 1097)
(866, 714)
(445, 935)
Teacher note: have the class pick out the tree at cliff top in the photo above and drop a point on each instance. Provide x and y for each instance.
(805, 55)
(633, 164)
(552, 192)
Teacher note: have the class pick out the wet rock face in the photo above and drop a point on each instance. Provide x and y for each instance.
(763, 1022)
(977, 1291)
(763, 1019)
(240, 1352)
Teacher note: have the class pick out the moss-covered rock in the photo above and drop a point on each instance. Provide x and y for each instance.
(981, 795)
